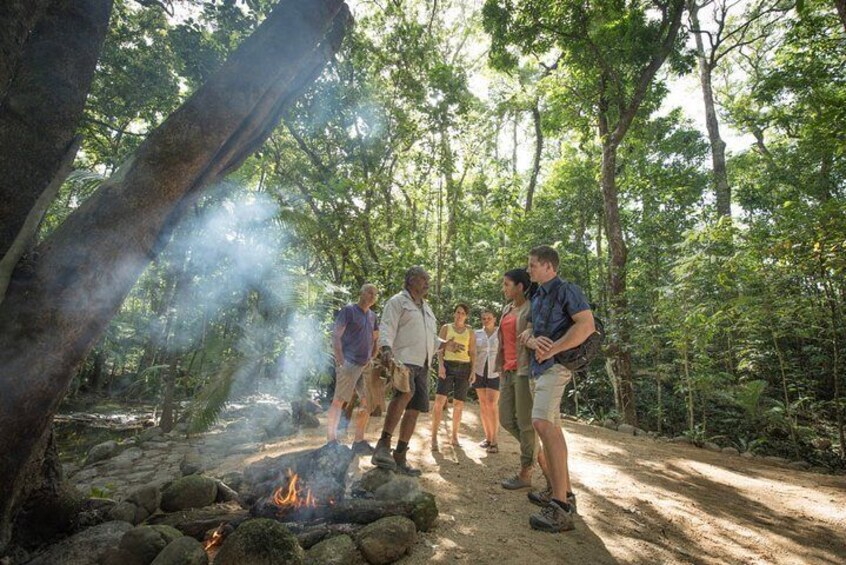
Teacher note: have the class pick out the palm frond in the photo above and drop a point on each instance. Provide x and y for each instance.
(205, 408)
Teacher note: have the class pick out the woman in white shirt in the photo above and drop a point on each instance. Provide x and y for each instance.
(487, 379)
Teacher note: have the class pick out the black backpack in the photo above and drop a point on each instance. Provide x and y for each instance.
(579, 357)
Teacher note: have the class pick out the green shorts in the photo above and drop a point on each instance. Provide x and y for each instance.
(547, 390)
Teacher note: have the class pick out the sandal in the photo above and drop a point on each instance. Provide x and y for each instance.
(493, 448)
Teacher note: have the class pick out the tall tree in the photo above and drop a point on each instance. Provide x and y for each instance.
(616, 50)
(63, 295)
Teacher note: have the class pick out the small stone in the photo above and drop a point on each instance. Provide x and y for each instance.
(193, 491)
(386, 539)
(182, 551)
(425, 511)
(338, 550)
(730, 451)
(372, 480)
(259, 542)
(626, 429)
(747, 455)
(102, 451)
(610, 424)
(711, 446)
(148, 434)
(777, 460)
(640, 432)
(682, 440)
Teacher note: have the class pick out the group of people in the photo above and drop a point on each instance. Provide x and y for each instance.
(512, 367)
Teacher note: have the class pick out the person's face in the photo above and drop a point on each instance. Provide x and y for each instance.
(369, 296)
(460, 316)
(488, 320)
(508, 288)
(419, 286)
(538, 272)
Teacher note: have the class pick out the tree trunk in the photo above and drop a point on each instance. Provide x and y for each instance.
(533, 180)
(58, 306)
(618, 302)
(18, 17)
(43, 104)
(718, 146)
(841, 11)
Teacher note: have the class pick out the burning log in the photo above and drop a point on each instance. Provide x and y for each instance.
(197, 521)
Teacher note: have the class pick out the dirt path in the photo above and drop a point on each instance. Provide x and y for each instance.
(640, 501)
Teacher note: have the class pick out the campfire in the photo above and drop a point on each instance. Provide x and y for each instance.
(291, 498)
(216, 538)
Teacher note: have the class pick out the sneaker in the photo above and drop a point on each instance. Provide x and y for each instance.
(544, 497)
(382, 457)
(362, 448)
(515, 483)
(553, 518)
(403, 466)
(486, 444)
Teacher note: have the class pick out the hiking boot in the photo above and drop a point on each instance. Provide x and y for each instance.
(553, 518)
(382, 456)
(362, 448)
(515, 483)
(403, 466)
(544, 497)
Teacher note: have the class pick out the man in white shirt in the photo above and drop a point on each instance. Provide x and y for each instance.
(407, 335)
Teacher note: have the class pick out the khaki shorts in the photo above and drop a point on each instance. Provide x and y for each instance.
(347, 379)
(547, 390)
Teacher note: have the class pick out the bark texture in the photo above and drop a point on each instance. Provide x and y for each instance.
(59, 303)
(43, 104)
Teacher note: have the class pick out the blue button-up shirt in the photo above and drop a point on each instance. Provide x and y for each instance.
(553, 307)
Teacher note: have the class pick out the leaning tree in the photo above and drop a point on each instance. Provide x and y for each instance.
(60, 294)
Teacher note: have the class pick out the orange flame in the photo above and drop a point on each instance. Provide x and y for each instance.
(293, 497)
(215, 539)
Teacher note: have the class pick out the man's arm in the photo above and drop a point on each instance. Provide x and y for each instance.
(441, 367)
(337, 333)
(472, 352)
(583, 326)
(389, 323)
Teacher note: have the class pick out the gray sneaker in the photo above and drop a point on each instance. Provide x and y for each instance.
(382, 457)
(552, 518)
(544, 497)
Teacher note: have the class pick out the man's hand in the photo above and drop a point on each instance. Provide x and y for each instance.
(472, 377)
(453, 346)
(525, 337)
(441, 371)
(386, 355)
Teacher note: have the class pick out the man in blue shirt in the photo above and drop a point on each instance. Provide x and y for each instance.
(561, 320)
(354, 339)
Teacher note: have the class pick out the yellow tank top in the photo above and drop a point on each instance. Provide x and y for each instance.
(463, 339)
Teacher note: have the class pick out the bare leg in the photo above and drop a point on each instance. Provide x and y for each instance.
(484, 412)
(332, 419)
(361, 417)
(555, 450)
(437, 414)
(458, 408)
(493, 414)
(409, 422)
(544, 465)
(394, 412)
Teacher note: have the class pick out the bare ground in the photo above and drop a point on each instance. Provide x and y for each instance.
(640, 501)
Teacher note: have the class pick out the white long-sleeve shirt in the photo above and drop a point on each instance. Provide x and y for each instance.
(486, 348)
(409, 330)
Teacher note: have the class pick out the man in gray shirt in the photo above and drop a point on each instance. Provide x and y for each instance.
(407, 336)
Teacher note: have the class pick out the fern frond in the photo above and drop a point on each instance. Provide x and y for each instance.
(205, 408)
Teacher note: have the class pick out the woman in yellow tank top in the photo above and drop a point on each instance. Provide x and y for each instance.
(454, 371)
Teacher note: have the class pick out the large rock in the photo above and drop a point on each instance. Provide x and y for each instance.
(684, 440)
(86, 547)
(730, 451)
(399, 488)
(626, 429)
(711, 446)
(425, 511)
(610, 424)
(193, 491)
(387, 539)
(149, 434)
(127, 458)
(102, 451)
(138, 506)
(260, 542)
(191, 464)
(182, 551)
(372, 480)
(338, 550)
(141, 545)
